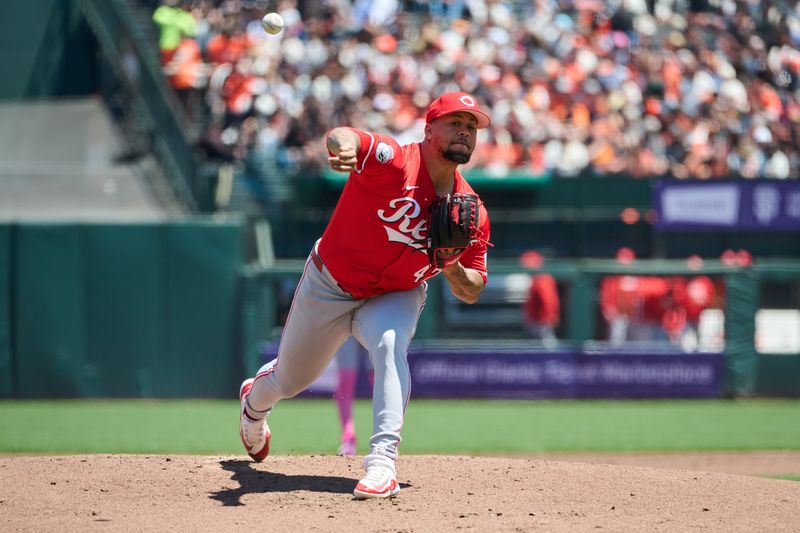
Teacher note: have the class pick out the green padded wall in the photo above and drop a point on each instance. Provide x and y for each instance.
(6, 361)
(778, 375)
(741, 304)
(50, 326)
(256, 316)
(46, 50)
(123, 284)
(202, 262)
(133, 310)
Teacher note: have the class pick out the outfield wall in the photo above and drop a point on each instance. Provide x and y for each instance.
(120, 310)
(170, 310)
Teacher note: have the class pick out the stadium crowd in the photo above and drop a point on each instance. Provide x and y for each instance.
(643, 88)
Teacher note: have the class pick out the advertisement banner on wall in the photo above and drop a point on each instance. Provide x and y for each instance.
(531, 374)
(564, 374)
(751, 205)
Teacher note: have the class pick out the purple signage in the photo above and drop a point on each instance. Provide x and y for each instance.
(492, 374)
(564, 374)
(519, 373)
(650, 375)
(737, 205)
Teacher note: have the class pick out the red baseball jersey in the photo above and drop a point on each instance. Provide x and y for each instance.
(375, 240)
(542, 306)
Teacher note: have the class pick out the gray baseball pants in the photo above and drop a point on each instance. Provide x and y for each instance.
(321, 318)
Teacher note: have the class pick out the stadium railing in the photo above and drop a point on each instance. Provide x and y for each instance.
(139, 71)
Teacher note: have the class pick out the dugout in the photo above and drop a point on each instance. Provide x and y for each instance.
(749, 367)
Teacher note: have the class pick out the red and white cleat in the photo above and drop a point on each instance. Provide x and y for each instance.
(254, 433)
(380, 480)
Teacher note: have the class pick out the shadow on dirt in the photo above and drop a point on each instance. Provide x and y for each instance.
(257, 481)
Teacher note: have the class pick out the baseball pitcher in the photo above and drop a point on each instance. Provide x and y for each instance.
(406, 214)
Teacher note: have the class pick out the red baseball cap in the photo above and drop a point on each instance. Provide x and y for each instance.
(453, 103)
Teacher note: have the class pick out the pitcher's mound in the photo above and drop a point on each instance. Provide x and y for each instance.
(439, 493)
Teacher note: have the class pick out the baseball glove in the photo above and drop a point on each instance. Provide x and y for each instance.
(452, 226)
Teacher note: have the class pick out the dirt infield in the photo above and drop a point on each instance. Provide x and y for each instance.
(453, 493)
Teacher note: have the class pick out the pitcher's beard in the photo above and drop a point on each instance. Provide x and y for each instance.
(456, 157)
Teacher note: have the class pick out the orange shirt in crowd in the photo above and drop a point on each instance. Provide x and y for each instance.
(185, 64)
(226, 48)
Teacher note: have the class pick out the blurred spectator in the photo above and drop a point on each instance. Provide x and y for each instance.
(186, 73)
(678, 88)
(174, 23)
(642, 308)
(694, 296)
(656, 308)
(638, 308)
(542, 309)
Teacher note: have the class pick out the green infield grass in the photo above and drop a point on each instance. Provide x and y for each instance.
(480, 427)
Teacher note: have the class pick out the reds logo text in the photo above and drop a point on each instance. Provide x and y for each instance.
(405, 210)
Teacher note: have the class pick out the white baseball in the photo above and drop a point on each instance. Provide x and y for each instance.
(272, 23)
